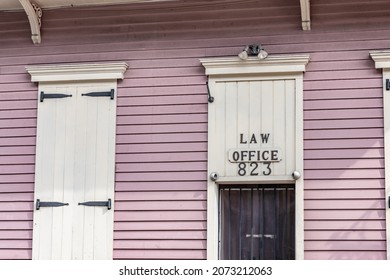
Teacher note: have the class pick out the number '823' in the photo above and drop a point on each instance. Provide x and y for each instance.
(254, 169)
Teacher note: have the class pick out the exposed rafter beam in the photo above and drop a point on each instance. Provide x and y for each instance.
(34, 14)
(305, 14)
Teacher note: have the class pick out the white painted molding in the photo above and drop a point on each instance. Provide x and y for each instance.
(77, 72)
(272, 64)
(305, 14)
(381, 58)
(34, 14)
(250, 180)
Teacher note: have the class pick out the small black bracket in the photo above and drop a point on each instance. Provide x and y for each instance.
(389, 201)
(40, 204)
(43, 95)
(97, 203)
(99, 94)
(210, 98)
(387, 84)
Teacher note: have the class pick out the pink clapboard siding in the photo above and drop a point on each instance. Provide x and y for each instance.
(161, 158)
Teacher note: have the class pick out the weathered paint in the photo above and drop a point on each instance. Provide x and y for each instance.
(162, 117)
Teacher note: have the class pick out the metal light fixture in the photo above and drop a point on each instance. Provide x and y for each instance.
(253, 50)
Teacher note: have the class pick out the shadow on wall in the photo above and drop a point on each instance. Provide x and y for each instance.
(344, 170)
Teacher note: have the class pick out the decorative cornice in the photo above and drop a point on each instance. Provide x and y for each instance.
(34, 14)
(272, 64)
(77, 72)
(381, 58)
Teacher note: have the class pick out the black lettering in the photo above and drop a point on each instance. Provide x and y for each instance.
(254, 166)
(264, 138)
(263, 155)
(241, 169)
(268, 164)
(251, 155)
(236, 156)
(253, 139)
(274, 155)
(244, 154)
(242, 139)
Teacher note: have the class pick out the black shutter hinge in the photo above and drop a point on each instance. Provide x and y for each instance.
(210, 98)
(40, 204)
(97, 203)
(99, 94)
(43, 95)
(389, 201)
(387, 84)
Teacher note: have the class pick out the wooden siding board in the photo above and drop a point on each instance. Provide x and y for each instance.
(345, 255)
(160, 235)
(159, 254)
(162, 115)
(330, 184)
(187, 215)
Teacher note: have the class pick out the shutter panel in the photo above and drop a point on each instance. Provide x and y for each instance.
(75, 164)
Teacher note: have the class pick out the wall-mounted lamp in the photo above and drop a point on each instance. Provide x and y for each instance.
(253, 50)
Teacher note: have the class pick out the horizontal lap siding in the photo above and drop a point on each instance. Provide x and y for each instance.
(161, 158)
(344, 157)
(17, 158)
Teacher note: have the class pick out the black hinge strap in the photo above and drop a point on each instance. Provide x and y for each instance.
(387, 84)
(210, 98)
(53, 95)
(98, 94)
(97, 203)
(40, 204)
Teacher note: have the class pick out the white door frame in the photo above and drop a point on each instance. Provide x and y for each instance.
(274, 67)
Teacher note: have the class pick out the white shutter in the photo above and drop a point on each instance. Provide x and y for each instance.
(75, 162)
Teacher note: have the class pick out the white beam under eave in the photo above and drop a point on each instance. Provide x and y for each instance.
(34, 14)
(305, 14)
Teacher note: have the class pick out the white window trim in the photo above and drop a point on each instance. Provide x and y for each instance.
(382, 61)
(278, 66)
(77, 72)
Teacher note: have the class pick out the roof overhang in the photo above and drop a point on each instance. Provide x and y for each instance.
(33, 9)
(9, 5)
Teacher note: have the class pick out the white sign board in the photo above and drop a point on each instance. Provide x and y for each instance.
(254, 128)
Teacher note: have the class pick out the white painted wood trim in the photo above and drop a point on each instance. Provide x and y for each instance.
(34, 14)
(271, 65)
(382, 60)
(77, 72)
(252, 180)
(274, 67)
(386, 112)
(305, 15)
(299, 184)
